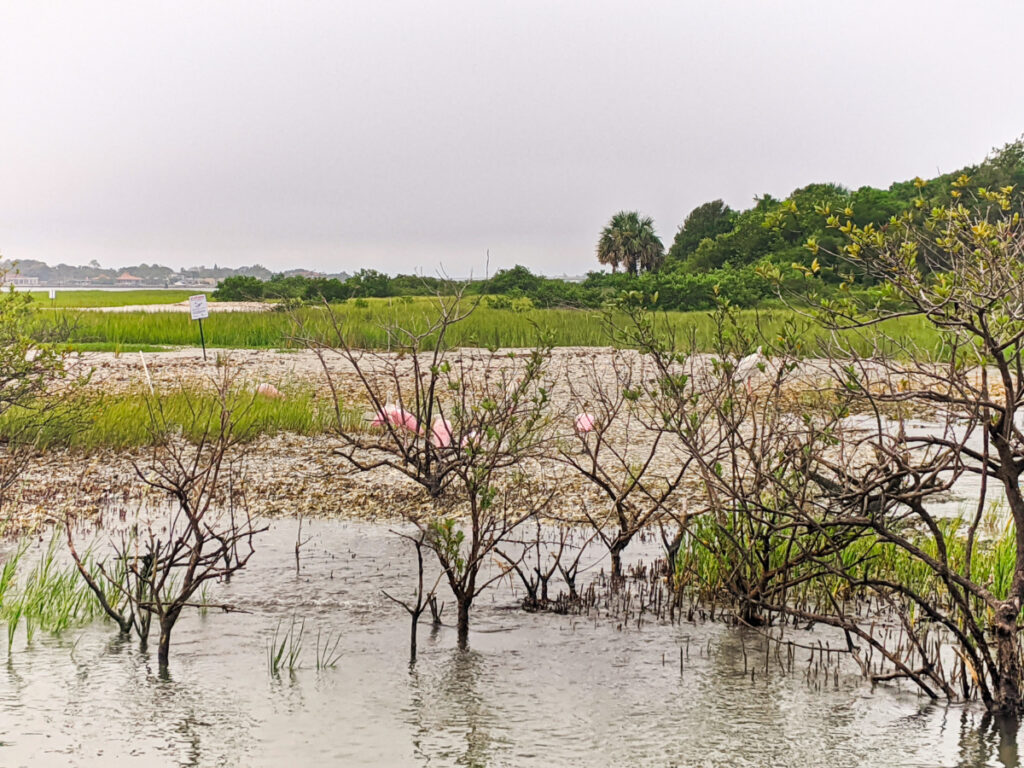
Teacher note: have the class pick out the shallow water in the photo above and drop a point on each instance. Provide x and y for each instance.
(534, 690)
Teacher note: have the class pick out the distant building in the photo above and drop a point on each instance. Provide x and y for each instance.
(19, 280)
(127, 278)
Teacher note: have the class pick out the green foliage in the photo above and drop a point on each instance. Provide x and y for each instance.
(773, 233)
(710, 561)
(951, 264)
(239, 288)
(705, 222)
(446, 538)
(366, 283)
(27, 364)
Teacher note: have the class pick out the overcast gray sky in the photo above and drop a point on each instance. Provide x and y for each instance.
(406, 135)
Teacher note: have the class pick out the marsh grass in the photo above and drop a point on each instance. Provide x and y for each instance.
(46, 594)
(707, 561)
(327, 653)
(101, 298)
(122, 420)
(285, 648)
(365, 325)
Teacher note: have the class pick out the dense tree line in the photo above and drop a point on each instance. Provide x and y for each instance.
(716, 252)
(714, 236)
(514, 288)
(367, 283)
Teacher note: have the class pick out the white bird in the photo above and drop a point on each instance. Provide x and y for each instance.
(750, 367)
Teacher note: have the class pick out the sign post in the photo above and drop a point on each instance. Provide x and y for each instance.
(199, 311)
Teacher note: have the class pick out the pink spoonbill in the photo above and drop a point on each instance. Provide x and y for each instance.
(441, 433)
(399, 417)
(584, 423)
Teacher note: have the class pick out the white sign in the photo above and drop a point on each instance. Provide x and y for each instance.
(197, 306)
(53, 294)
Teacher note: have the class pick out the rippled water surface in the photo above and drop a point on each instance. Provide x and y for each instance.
(534, 690)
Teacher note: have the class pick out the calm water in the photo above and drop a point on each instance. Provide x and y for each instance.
(534, 690)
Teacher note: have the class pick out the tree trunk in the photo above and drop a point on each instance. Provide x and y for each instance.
(615, 550)
(1007, 697)
(166, 625)
(671, 553)
(463, 622)
(412, 638)
(1007, 689)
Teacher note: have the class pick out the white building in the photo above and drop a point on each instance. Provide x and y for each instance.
(19, 280)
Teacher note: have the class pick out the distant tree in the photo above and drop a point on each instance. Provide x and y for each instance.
(1004, 167)
(256, 270)
(369, 282)
(629, 240)
(745, 243)
(519, 277)
(239, 288)
(418, 285)
(320, 289)
(154, 272)
(708, 220)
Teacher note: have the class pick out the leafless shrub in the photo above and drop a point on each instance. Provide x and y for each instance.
(204, 536)
(614, 445)
(462, 425)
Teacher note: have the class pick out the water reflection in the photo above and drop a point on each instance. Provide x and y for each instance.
(450, 717)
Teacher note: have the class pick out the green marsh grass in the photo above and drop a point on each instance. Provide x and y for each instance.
(47, 594)
(327, 653)
(365, 325)
(708, 560)
(123, 421)
(101, 298)
(285, 648)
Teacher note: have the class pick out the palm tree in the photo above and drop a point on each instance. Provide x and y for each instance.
(629, 240)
